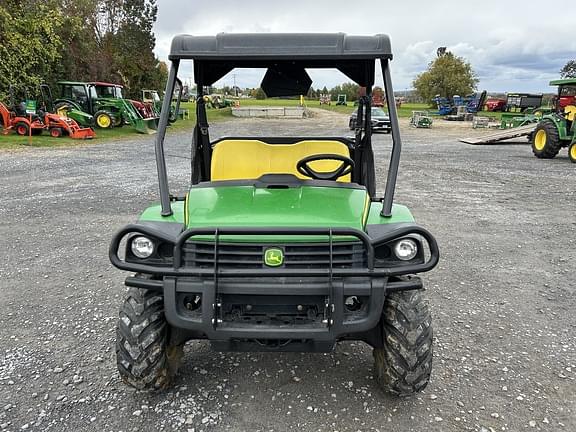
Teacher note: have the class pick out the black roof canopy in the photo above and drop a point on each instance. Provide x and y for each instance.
(286, 56)
(288, 46)
(215, 56)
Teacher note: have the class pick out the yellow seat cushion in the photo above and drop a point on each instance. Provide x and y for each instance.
(570, 110)
(251, 159)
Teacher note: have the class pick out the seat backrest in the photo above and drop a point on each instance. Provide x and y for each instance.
(250, 159)
(570, 112)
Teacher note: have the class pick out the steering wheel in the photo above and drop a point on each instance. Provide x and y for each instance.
(345, 167)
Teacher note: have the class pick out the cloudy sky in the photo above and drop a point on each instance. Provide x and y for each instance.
(512, 45)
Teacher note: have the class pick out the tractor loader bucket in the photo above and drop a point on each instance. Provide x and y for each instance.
(145, 126)
(62, 125)
(152, 122)
(82, 133)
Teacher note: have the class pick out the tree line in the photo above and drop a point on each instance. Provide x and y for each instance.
(44, 41)
(351, 90)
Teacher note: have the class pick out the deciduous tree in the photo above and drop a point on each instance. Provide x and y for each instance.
(446, 76)
(569, 70)
(30, 43)
(80, 40)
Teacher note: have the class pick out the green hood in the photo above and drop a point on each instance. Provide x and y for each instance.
(248, 206)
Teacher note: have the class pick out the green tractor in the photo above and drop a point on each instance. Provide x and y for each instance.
(72, 111)
(217, 101)
(109, 109)
(341, 100)
(558, 129)
(280, 244)
(152, 100)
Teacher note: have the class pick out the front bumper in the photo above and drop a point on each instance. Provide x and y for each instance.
(381, 126)
(304, 305)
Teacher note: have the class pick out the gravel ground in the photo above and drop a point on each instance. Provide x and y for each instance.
(502, 298)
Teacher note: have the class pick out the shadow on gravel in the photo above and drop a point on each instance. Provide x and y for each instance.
(258, 389)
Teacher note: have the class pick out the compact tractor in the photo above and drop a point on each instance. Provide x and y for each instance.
(280, 243)
(558, 129)
(153, 100)
(108, 90)
(217, 101)
(15, 118)
(65, 110)
(25, 122)
(109, 108)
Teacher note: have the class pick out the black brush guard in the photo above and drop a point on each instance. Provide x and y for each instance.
(297, 284)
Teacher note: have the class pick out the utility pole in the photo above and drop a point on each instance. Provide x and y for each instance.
(235, 89)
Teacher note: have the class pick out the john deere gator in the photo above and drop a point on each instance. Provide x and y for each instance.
(280, 243)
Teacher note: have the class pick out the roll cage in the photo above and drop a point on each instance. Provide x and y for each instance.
(286, 56)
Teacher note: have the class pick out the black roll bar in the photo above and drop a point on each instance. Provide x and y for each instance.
(396, 142)
(160, 159)
(179, 99)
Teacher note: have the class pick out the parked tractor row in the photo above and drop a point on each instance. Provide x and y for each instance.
(548, 129)
(105, 102)
(25, 123)
(79, 107)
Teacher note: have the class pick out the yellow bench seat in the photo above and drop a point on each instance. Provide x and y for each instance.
(234, 159)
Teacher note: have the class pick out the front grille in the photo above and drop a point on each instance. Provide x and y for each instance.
(380, 124)
(296, 255)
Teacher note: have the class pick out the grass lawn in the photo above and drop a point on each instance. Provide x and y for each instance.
(404, 111)
(12, 140)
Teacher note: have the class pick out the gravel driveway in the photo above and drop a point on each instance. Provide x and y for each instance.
(503, 298)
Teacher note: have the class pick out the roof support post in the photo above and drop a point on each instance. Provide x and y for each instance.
(396, 142)
(160, 159)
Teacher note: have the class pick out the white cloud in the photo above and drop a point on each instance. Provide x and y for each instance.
(512, 47)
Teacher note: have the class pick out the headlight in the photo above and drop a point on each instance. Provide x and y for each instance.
(405, 249)
(142, 247)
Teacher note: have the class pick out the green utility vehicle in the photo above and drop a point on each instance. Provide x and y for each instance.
(109, 110)
(421, 119)
(558, 129)
(280, 244)
(341, 100)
